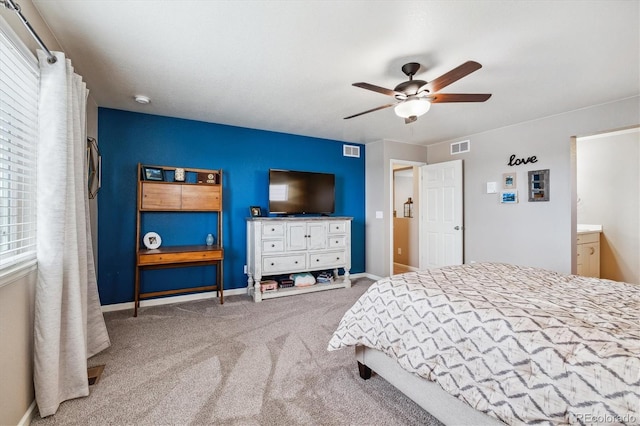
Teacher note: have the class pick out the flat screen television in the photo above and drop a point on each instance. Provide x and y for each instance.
(294, 192)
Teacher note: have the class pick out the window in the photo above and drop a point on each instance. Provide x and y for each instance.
(19, 82)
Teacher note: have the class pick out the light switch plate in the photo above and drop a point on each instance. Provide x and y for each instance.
(492, 187)
(379, 214)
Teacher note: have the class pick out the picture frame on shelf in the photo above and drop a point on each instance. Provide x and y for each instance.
(153, 173)
(255, 211)
(208, 178)
(509, 197)
(508, 180)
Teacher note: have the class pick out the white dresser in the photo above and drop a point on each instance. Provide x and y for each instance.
(280, 246)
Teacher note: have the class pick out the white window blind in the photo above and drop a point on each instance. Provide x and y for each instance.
(19, 83)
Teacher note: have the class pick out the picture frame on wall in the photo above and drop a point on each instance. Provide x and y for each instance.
(509, 197)
(255, 211)
(508, 180)
(153, 173)
(538, 185)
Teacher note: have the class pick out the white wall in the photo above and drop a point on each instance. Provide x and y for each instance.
(608, 188)
(530, 233)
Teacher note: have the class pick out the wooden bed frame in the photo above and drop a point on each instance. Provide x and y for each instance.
(427, 394)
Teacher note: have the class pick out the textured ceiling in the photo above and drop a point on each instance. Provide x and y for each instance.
(288, 66)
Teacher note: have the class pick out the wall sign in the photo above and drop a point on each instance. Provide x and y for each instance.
(513, 161)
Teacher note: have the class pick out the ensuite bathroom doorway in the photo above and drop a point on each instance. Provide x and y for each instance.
(404, 222)
(608, 202)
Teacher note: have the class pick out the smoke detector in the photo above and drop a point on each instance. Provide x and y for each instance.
(141, 99)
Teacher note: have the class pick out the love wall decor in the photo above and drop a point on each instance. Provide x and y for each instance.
(537, 180)
(513, 161)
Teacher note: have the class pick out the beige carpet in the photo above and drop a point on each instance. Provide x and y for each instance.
(241, 363)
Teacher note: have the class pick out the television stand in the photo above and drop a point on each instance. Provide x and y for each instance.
(278, 246)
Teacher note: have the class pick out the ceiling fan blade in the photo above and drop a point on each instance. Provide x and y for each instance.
(371, 110)
(452, 76)
(458, 97)
(378, 89)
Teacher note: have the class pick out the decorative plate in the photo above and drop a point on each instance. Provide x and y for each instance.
(151, 240)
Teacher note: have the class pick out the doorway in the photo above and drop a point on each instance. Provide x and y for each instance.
(404, 224)
(607, 197)
(430, 228)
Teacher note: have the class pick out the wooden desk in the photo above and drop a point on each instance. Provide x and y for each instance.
(199, 190)
(178, 257)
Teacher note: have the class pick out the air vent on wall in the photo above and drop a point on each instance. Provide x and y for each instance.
(351, 151)
(460, 147)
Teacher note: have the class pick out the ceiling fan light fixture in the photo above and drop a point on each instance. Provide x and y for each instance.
(412, 107)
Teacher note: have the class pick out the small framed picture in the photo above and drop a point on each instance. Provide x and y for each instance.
(255, 211)
(153, 173)
(509, 197)
(538, 185)
(508, 180)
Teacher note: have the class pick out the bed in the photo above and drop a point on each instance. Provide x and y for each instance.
(491, 343)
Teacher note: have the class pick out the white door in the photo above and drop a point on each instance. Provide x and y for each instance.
(441, 233)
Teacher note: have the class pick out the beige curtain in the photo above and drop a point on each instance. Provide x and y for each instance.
(69, 326)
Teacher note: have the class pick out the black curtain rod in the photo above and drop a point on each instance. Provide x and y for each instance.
(10, 4)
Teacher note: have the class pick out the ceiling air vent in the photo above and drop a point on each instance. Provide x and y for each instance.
(351, 151)
(460, 147)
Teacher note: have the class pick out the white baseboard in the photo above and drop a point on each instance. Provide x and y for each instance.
(407, 267)
(366, 275)
(172, 299)
(198, 296)
(28, 416)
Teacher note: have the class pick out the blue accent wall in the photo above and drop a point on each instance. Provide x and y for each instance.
(244, 155)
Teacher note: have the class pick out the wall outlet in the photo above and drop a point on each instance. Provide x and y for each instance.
(245, 269)
(399, 250)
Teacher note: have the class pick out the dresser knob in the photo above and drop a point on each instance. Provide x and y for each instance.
(273, 245)
(272, 263)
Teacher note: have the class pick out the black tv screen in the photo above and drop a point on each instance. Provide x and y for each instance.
(293, 192)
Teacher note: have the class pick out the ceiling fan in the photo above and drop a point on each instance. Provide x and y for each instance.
(414, 97)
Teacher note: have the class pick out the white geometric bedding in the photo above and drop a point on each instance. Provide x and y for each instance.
(522, 344)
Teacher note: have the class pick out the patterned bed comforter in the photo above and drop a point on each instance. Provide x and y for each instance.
(522, 344)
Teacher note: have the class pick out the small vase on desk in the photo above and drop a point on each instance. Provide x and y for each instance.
(209, 239)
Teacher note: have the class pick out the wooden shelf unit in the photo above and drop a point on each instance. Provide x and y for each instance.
(163, 196)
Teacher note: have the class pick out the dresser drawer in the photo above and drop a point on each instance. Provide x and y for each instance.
(337, 227)
(591, 237)
(273, 230)
(337, 241)
(155, 258)
(272, 246)
(326, 260)
(271, 264)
